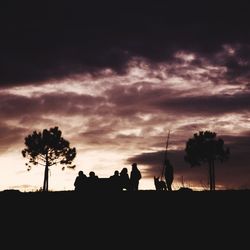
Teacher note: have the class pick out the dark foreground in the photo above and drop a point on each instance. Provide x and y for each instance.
(145, 200)
(143, 219)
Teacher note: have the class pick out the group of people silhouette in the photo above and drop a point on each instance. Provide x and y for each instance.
(117, 182)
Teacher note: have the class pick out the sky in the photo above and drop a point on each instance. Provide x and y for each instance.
(116, 77)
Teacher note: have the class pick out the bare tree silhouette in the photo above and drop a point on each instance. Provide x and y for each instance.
(206, 148)
(48, 148)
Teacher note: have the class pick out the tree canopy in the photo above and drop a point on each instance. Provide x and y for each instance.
(205, 147)
(48, 148)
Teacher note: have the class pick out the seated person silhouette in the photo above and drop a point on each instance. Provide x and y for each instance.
(115, 181)
(80, 181)
(124, 177)
(93, 181)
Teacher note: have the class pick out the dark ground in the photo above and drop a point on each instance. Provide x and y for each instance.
(142, 199)
(143, 219)
(162, 204)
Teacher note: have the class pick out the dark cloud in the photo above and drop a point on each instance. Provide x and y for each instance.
(183, 173)
(17, 106)
(126, 102)
(238, 65)
(47, 40)
(144, 98)
(207, 105)
(10, 136)
(233, 173)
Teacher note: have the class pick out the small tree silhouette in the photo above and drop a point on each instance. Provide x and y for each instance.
(206, 148)
(48, 148)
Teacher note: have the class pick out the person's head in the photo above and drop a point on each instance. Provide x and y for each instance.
(124, 171)
(134, 165)
(116, 173)
(91, 174)
(80, 173)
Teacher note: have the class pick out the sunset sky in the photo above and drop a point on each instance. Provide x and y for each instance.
(115, 77)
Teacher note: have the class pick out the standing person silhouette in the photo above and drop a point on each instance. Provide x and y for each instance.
(135, 176)
(169, 174)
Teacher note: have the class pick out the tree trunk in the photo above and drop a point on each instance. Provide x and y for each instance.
(210, 176)
(213, 174)
(46, 175)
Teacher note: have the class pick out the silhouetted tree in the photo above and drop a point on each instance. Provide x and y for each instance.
(48, 148)
(206, 148)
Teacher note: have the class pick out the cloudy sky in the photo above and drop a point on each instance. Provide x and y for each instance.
(116, 77)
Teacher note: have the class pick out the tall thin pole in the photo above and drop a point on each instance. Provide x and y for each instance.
(165, 158)
(165, 155)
